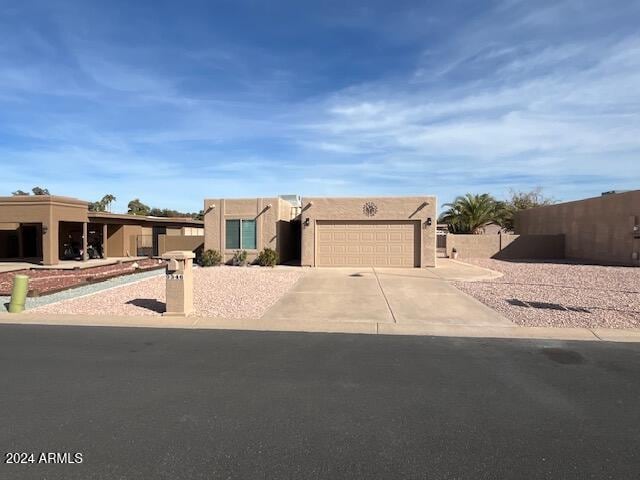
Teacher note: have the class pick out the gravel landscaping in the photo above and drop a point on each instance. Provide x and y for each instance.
(542, 294)
(225, 292)
(43, 281)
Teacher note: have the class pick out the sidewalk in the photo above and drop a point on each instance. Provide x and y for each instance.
(377, 328)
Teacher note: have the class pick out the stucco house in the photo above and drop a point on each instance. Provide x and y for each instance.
(40, 229)
(326, 231)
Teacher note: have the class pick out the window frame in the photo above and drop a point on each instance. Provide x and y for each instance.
(240, 221)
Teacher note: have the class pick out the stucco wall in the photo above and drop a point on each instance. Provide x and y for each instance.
(507, 246)
(46, 210)
(268, 223)
(121, 240)
(389, 208)
(169, 242)
(596, 229)
(115, 241)
(130, 234)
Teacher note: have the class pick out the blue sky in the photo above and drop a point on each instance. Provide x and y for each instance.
(173, 102)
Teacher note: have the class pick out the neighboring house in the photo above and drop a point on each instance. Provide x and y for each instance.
(42, 228)
(321, 231)
(603, 229)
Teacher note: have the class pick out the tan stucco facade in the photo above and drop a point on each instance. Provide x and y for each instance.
(599, 229)
(49, 220)
(273, 224)
(45, 212)
(506, 246)
(173, 242)
(414, 217)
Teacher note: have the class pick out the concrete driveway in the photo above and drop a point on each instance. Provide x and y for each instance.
(387, 295)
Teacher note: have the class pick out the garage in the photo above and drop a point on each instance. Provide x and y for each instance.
(346, 243)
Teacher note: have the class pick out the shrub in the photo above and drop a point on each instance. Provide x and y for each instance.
(239, 258)
(211, 258)
(268, 257)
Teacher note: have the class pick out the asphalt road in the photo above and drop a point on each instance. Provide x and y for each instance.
(173, 404)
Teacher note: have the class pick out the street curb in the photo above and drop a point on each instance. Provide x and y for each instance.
(374, 328)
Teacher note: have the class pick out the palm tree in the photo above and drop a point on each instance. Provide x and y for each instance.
(471, 213)
(107, 200)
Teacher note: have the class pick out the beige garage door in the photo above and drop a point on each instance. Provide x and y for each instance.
(367, 243)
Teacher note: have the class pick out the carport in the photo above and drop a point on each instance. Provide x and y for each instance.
(31, 226)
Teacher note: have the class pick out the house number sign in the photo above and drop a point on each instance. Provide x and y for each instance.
(174, 276)
(369, 209)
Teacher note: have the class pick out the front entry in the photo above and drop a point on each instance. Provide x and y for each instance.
(367, 243)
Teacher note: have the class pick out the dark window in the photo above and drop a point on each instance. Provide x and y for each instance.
(240, 234)
(233, 234)
(248, 234)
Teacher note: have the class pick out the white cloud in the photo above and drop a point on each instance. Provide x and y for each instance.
(593, 111)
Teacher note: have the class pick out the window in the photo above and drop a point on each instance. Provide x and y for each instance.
(192, 232)
(248, 234)
(240, 234)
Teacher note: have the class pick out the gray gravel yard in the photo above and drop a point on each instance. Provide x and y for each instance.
(227, 292)
(541, 294)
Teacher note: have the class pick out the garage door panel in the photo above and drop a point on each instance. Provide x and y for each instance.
(367, 243)
(396, 249)
(339, 237)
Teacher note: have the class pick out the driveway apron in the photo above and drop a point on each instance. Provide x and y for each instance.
(384, 295)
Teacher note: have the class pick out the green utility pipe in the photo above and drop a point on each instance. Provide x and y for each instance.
(19, 293)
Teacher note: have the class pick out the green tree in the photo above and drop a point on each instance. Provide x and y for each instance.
(136, 207)
(102, 205)
(519, 200)
(472, 213)
(107, 200)
(35, 190)
(96, 206)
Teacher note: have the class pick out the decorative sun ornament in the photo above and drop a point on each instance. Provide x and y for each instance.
(369, 209)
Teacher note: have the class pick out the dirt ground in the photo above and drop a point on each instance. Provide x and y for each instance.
(225, 292)
(44, 281)
(561, 294)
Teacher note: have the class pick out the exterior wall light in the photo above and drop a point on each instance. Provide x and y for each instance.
(429, 222)
(45, 229)
(307, 222)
